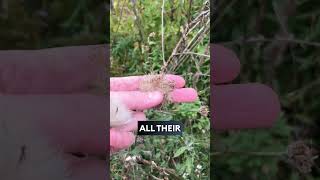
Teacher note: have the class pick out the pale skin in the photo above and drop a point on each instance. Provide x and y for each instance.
(64, 109)
(49, 89)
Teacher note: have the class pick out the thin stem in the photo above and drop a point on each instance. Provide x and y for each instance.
(121, 14)
(153, 165)
(191, 53)
(138, 22)
(162, 32)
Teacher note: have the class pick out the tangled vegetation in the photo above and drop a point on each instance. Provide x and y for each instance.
(142, 42)
(34, 24)
(278, 45)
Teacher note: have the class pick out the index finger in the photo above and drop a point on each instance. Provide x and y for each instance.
(132, 83)
(54, 70)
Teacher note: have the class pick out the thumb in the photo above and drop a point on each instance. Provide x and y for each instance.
(120, 139)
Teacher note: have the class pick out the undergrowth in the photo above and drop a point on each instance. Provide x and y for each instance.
(136, 46)
(277, 43)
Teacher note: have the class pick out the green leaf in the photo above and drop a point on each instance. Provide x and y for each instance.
(180, 151)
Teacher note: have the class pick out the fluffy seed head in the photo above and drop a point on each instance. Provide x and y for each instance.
(157, 83)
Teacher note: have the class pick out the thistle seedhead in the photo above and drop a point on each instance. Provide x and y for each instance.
(204, 111)
(301, 156)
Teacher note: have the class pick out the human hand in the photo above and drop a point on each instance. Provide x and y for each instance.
(237, 106)
(126, 89)
(50, 91)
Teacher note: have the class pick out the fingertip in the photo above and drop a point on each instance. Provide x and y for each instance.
(121, 139)
(252, 106)
(178, 80)
(184, 95)
(271, 101)
(225, 65)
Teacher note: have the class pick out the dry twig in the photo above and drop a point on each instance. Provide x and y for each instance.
(184, 47)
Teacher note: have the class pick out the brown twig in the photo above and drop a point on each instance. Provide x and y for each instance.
(184, 47)
(153, 165)
(191, 53)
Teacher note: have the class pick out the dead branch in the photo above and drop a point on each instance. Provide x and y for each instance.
(183, 49)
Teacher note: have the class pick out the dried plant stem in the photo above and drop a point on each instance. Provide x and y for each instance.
(298, 154)
(191, 53)
(184, 47)
(196, 39)
(162, 32)
(121, 15)
(153, 165)
(297, 94)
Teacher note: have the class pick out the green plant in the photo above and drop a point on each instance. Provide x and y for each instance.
(277, 44)
(139, 38)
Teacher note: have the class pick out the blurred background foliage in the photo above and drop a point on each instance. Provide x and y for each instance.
(32, 24)
(273, 39)
(136, 49)
(277, 43)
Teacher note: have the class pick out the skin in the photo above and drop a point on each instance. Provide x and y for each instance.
(51, 90)
(239, 106)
